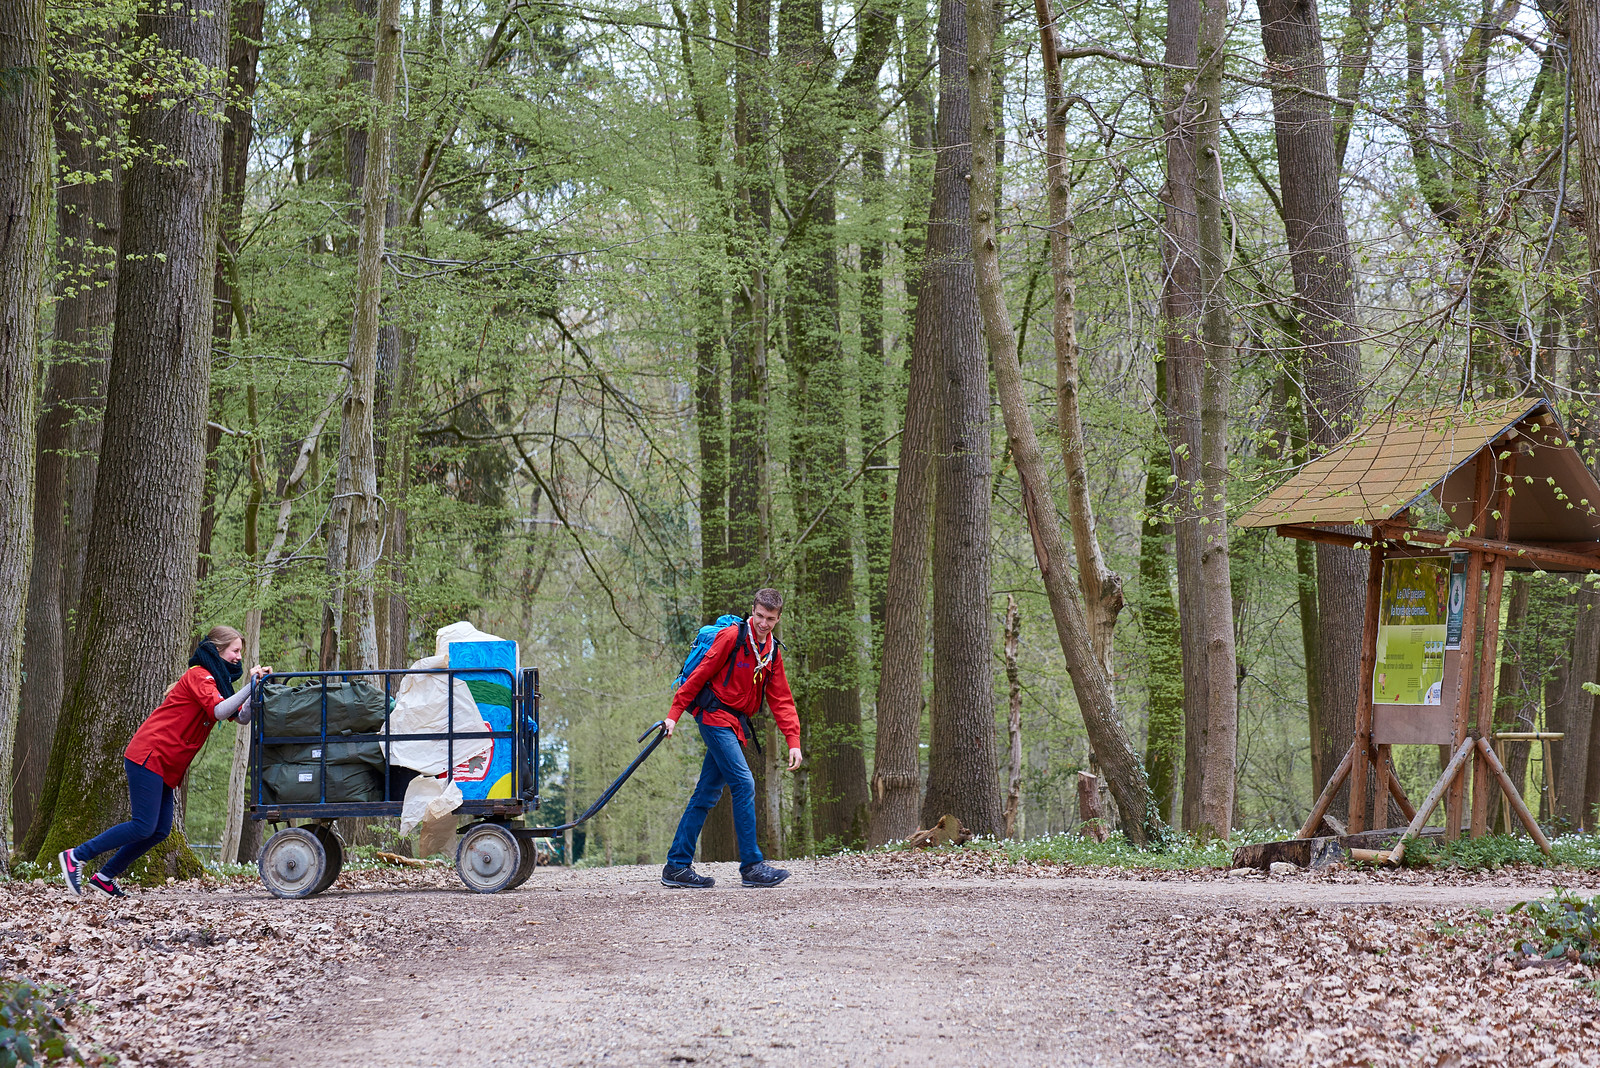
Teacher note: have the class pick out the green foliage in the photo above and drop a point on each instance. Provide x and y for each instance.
(1499, 850)
(33, 1025)
(1561, 924)
(1177, 852)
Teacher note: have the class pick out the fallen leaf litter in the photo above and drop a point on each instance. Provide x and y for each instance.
(188, 974)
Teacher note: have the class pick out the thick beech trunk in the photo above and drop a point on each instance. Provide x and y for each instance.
(139, 581)
(961, 744)
(25, 205)
(1324, 282)
(896, 763)
(67, 442)
(1107, 737)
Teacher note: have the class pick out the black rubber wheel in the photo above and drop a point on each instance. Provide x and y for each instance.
(488, 858)
(293, 863)
(530, 860)
(333, 846)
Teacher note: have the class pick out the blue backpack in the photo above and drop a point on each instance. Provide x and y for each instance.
(702, 643)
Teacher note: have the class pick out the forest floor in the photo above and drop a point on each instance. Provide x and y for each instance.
(950, 957)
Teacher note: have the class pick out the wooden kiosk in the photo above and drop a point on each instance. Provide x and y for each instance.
(1453, 498)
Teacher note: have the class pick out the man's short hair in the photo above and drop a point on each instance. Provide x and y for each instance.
(770, 598)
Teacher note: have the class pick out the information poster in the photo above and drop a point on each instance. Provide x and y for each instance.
(1412, 631)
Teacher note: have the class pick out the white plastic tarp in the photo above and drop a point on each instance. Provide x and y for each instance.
(422, 706)
(428, 800)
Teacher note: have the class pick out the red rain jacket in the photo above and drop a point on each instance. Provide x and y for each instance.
(743, 690)
(168, 739)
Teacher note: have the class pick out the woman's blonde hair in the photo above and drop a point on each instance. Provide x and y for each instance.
(223, 636)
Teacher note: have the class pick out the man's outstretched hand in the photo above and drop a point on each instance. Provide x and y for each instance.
(671, 725)
(794, 759)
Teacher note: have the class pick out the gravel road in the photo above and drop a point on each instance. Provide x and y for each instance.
(837, 966)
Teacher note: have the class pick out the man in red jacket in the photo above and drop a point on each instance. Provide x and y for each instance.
(743, 667)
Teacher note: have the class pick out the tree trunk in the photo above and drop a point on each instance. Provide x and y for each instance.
(139, 582)
(1583, 43)
(812, 139)
(358, 572)
(86, 224)
(25, 203)
(1158, 615)
(1184, 365)
(896, 761)
(1013, 631)
(1107, 737)
(1102, 587)
(877, 511)
(1329, 330)
(877, 20)
(896, 764)
(718, 841)
(1515, 708)
(961, 743)
(749, 248)
(240, 836)
(1217, 785)
(1577, 713)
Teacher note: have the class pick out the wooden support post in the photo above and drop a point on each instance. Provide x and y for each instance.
(1380, 807)
(1407, 809)
(1431, 802)
(1456, 795)
(1517, 804)
(1362, 746)
(1329, 792)
(1489, 660)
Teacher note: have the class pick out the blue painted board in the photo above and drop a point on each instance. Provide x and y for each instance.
(489, 774)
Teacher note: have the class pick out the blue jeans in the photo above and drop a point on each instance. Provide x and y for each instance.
(724, 766)
(151, 802)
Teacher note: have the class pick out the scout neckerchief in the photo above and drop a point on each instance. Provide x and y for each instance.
(761, 661)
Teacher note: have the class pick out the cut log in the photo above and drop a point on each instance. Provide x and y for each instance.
(1303, 852)
(947, 832)
(1372, 856)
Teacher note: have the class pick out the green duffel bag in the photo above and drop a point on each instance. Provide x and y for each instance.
(369, 753)
(355, 706)
(301, 784)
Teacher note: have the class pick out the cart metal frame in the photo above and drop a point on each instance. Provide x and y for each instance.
(492, 854)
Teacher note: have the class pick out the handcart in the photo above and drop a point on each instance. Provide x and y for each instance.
(495, 851)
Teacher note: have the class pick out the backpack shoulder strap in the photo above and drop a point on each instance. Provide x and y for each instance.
(733, 654)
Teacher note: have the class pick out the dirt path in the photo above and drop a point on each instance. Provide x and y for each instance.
(603, 966)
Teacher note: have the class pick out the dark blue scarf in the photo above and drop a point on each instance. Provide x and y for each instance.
(226, 674)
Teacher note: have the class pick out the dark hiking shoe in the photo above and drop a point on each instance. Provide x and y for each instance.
(762, 874)
(71, 871)
(100, 882)
(685, 878)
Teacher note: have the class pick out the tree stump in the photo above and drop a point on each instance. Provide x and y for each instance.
(1089, 812)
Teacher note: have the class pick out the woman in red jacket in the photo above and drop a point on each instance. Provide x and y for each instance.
(160, 754)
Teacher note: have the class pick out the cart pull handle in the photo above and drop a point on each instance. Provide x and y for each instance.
(659, 729)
